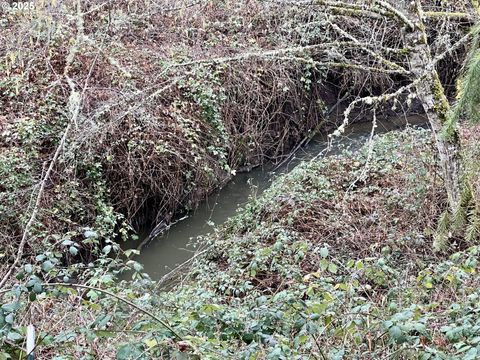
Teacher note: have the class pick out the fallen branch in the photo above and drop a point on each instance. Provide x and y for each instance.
(398, 14)
(370, 100)
(277, 53)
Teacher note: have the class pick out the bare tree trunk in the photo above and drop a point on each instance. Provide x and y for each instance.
(436, 106)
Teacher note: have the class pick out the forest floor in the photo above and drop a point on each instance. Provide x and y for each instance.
(335, 260)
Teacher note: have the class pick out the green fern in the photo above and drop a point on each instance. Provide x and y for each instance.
(468, 103)
(468, 96)
(472, 232)
(440, 238)
(461, 214)
(459, 218)
(475, 45)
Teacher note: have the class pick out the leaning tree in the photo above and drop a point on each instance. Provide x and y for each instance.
(415, 60)
(396, 41)
(394, 44)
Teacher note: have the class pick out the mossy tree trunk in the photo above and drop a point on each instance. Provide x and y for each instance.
(436, 106)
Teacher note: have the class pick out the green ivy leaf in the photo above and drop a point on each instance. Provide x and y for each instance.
(14, 336)
(324, 264)
(129, 352)
(11, 307)
(93, 295)
(37, 288)
(9, 319)
(332, 268)
(396, 333)
(90, 234)
(47, 266)
(4, 356)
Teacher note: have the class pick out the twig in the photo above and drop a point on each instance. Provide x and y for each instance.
(74, 104)
(369, 154)
(369, 51)
(398, 14)
(106, 292)
(178, 267)
(158, 231)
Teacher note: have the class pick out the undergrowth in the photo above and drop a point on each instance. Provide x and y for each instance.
(161, 125)
(175, 98)
(314, 268)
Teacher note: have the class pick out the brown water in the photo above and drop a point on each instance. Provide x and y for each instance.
(175, 246)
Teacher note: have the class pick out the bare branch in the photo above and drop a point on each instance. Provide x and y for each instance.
(74, 107)
(397, 13)
(109, 293)
(450, 15)
(369, 51)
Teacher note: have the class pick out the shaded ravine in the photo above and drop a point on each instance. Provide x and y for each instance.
(175, 246)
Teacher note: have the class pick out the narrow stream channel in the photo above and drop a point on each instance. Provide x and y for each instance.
(174, 247)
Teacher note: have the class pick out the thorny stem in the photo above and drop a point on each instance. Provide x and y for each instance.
(106, 292)
(74, 103)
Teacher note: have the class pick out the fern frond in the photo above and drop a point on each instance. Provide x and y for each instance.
(474, 46)
(468, 94)
(461, 214)
(468, 103)
(440, 238)
(440, 242)
(472, 232)
(459, 218)
(450, 126)
(444, 222)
